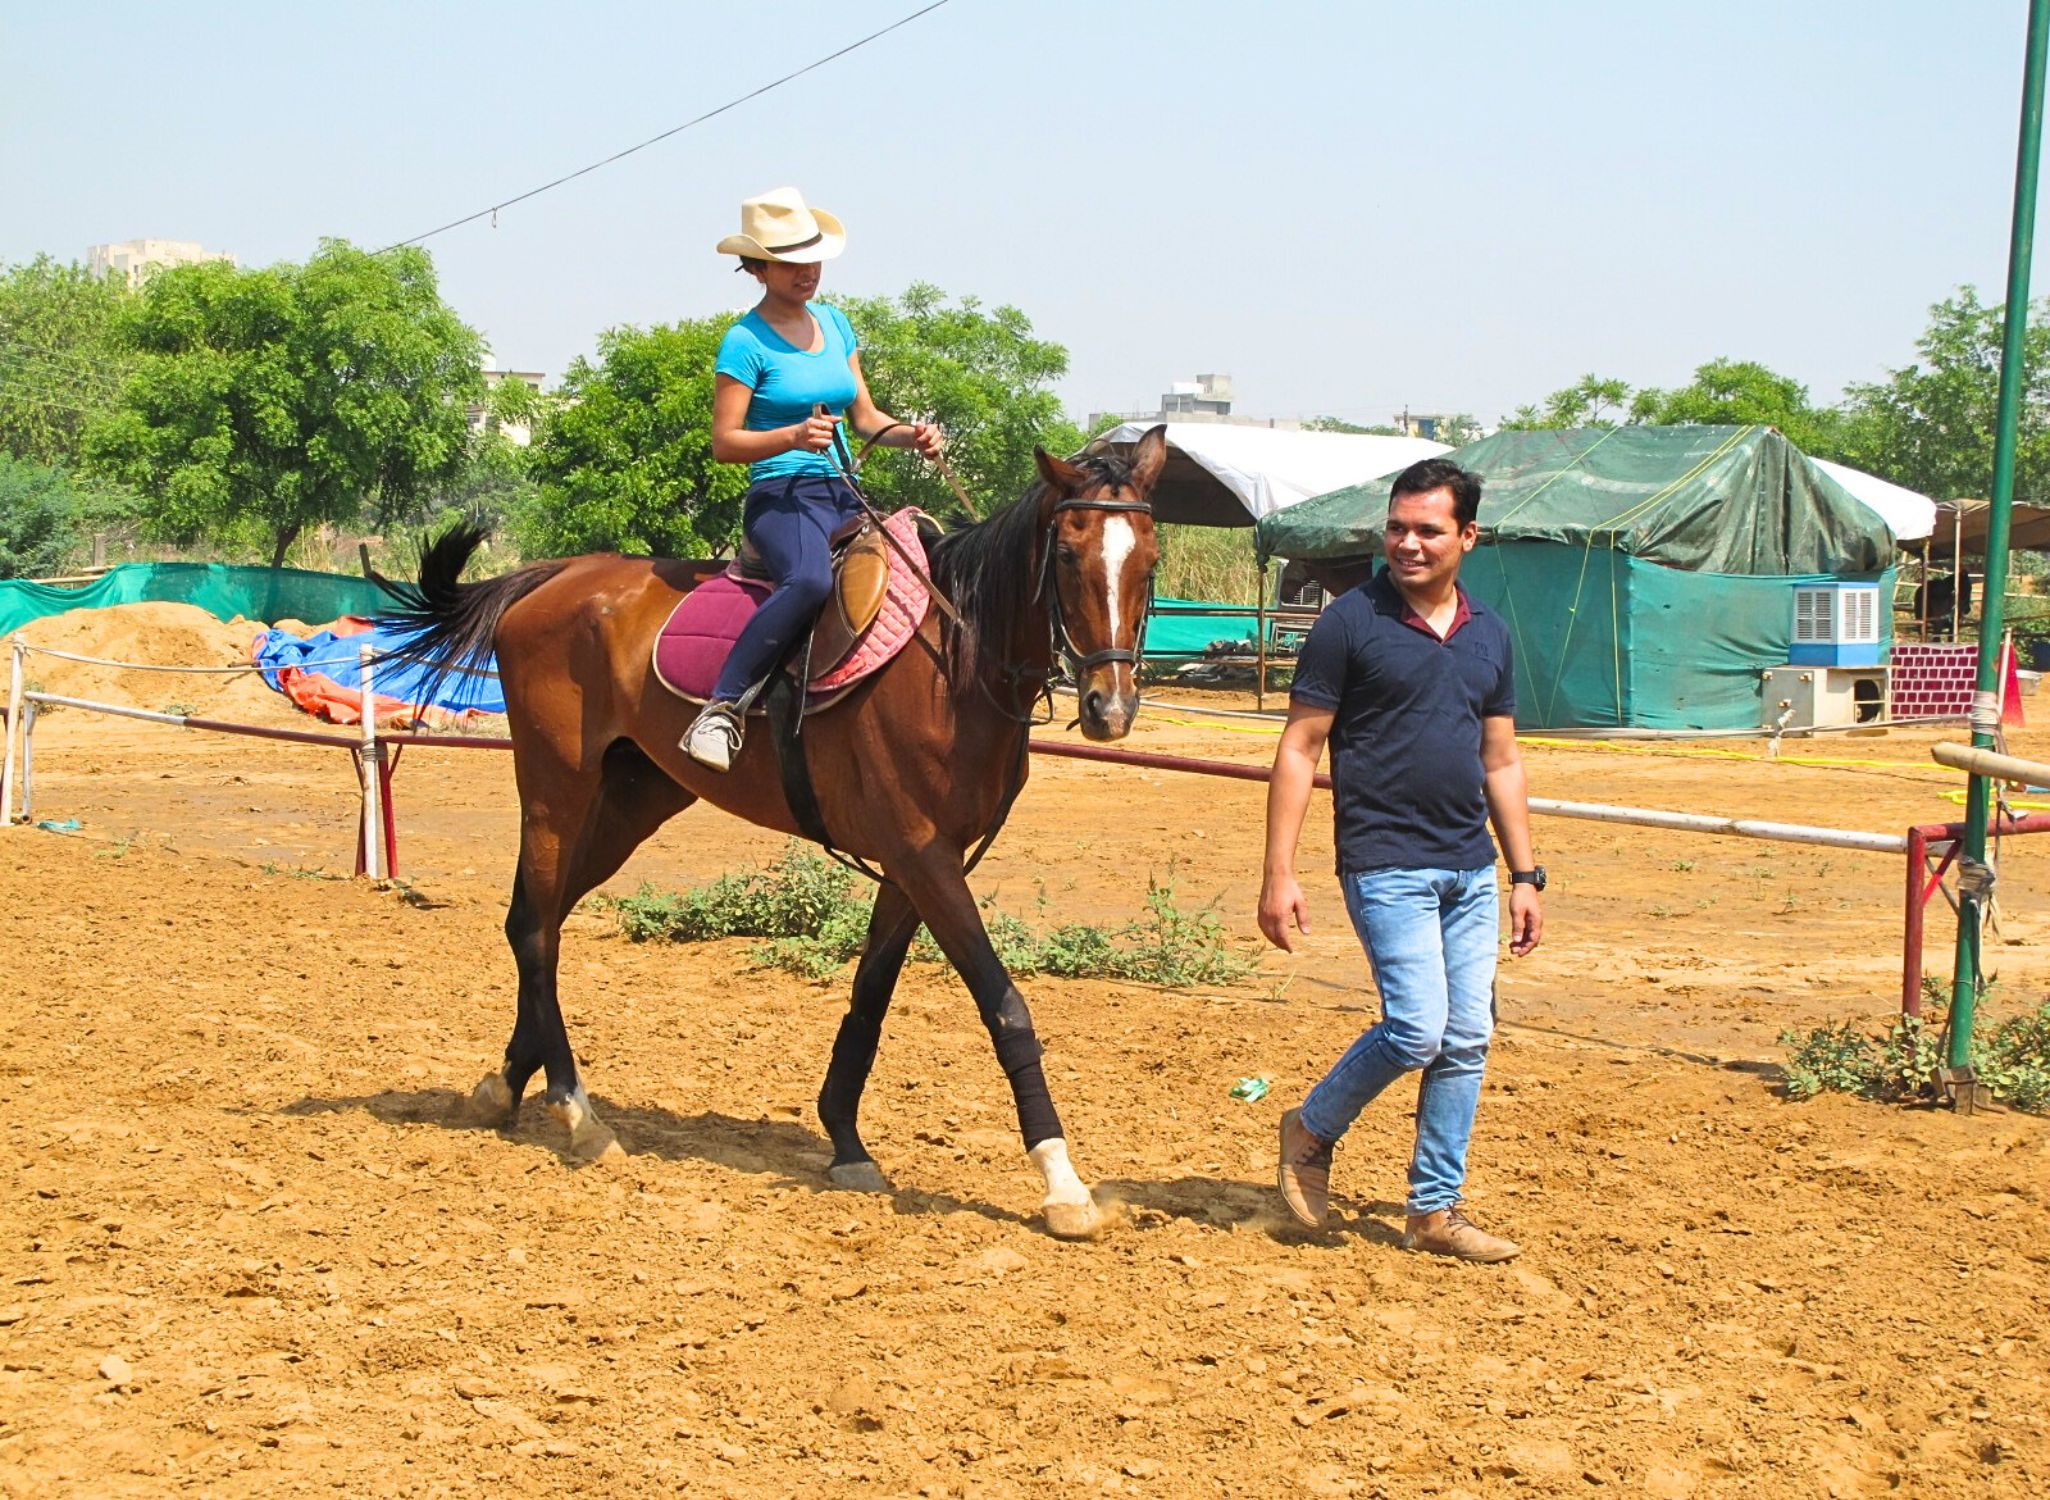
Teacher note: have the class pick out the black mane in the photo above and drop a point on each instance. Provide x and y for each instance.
(987, 571)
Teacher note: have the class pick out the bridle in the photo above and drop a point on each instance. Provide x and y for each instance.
(1057, 626)
(1060, 646)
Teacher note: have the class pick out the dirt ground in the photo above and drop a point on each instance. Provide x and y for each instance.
(252, 1250)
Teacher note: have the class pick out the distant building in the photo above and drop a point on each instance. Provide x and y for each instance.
(521, 434)
(1420, 424)
(1207, 398)
(134, 260)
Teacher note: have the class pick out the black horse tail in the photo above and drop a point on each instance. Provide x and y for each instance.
(447, 626)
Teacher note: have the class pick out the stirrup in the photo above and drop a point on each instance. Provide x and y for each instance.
(714, 736)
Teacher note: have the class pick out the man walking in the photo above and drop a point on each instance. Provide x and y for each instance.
(1413, 685)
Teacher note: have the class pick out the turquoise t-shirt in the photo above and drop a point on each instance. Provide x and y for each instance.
(788, 382)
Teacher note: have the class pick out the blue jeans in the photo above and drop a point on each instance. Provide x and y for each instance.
(1431, 937)
(791, 521)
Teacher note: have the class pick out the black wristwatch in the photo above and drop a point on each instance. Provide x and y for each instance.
(1533, 876)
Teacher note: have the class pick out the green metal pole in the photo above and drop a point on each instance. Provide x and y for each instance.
(2021, 241)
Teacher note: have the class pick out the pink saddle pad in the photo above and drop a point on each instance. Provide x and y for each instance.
(693, 643)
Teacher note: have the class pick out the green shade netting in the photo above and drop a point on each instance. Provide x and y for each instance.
(1170, 636)
(1730, 500)
(265, 594)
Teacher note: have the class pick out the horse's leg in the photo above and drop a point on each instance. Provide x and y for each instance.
(577, 838)
(891, 927)
(934, 881)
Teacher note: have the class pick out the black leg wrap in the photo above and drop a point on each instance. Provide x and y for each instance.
(1018, 1054)
(854, 1052)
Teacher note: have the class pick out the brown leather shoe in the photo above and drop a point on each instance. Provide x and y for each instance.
(1450, 1232)
(1305, 1171)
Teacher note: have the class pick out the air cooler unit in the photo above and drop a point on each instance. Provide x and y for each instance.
(1836, 625)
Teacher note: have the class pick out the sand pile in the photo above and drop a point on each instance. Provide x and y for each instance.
(157, 635)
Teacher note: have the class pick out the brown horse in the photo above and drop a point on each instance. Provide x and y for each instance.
(912, 771)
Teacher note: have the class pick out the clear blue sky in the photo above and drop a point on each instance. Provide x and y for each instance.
(1347, 207)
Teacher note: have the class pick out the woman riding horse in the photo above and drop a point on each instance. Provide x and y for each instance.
(913, 770)
(786, 373)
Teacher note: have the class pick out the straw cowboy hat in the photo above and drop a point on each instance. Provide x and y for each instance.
(777, 226)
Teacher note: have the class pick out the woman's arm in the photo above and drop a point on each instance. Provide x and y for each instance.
(868, 419)
(733, 443)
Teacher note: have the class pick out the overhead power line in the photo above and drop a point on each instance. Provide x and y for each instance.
(492, 211)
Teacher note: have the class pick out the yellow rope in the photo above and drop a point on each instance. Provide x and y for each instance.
(1642, 507)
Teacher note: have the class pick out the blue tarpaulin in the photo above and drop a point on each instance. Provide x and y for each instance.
(337, 658)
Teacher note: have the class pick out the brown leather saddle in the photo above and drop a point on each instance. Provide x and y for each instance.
(861, 578)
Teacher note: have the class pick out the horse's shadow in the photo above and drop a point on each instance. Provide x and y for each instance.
(1222, 1203)
(792, 1156)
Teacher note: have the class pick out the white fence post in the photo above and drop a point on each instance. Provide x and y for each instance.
(17, 649)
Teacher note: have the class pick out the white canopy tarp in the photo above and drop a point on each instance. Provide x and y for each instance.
(1908, 515)
(1225, 474)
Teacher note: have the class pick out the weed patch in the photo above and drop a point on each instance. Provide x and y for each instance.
(812, 921)
(2011, 1057)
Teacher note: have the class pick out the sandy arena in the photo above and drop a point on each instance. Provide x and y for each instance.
(252, 1251)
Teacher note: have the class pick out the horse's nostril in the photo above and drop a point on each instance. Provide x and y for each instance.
(1092, 702)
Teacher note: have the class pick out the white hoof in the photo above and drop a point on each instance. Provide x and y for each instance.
(1075, 1221)
(491, 1101)
(590, 1139)
(858, 1177)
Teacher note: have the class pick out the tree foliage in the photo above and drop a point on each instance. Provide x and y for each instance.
(980, 374)
(38, 517)
(267, 401)
(1591, 401)
(1744, 393)
(624, 461)
(61, 358)
(1930, 425)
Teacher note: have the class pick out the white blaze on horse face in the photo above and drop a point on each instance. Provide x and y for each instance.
(1119, 542)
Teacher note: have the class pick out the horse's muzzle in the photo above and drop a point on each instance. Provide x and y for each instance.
(1107, 705)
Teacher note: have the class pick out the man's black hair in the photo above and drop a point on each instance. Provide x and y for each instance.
(1428, 474)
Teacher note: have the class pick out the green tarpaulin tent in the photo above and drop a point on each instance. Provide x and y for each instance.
(1645, 572)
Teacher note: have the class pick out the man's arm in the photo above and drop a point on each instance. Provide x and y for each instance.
(1283, 911)
(1509, 811)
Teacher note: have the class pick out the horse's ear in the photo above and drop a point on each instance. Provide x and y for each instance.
(1147, 459)
(1058, 472)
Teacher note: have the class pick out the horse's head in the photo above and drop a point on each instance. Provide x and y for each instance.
(1097, 517)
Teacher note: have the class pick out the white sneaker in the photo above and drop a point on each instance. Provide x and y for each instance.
(714, 737)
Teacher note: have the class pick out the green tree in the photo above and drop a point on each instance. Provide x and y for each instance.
(1459, 429)
(624, 461)
(1591, 401)
(980, 374)
(1744, 393)
(1930, 425)
(61, 358)
(267, 401)
(1339, 424)
(39, 514)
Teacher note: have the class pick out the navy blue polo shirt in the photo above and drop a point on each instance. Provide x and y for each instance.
(1406, 773)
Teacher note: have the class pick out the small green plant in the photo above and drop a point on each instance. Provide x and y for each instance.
(180, 710)
(2011, 1058)
(119, 848)
(1683, 865)
(812, 923)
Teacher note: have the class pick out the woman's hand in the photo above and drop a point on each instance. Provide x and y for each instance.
(814, 434)
(928, 440)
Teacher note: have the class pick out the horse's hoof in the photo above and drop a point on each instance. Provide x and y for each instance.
(596, 1146)
(491, 1101)
(1075, 1221)
(858, 1177)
